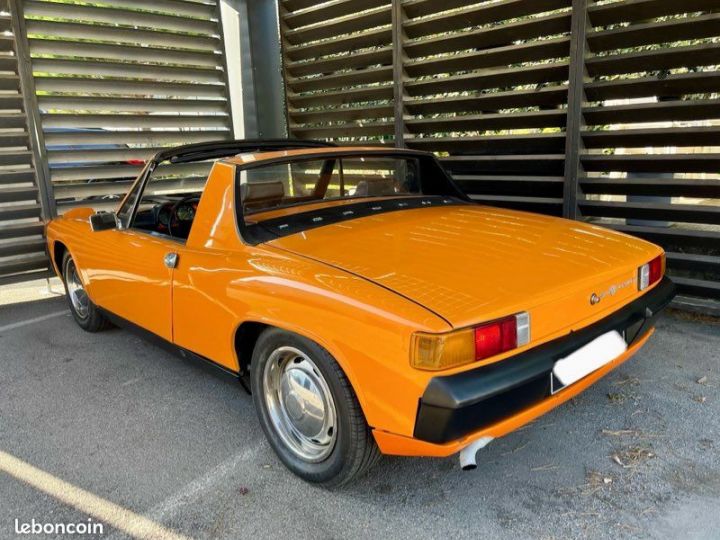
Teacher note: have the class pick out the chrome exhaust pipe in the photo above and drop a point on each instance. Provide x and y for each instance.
(467, 454)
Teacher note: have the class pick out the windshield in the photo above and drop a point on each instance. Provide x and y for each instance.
(281, 185)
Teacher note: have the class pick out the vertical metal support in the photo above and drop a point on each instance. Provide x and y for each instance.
(576, 99)
(266, 54)
(226, 74)
(399, 75)
(282, 11)
(32, 111)
(252, 41)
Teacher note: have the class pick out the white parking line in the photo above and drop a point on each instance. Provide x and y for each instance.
(105, 511)
(200, 486)
(20, 324)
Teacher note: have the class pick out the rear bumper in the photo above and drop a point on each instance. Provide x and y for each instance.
(454, 406)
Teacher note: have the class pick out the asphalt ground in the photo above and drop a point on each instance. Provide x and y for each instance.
(177, 444)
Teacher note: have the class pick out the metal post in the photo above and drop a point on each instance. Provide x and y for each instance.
(265, 58)
(399, 76)
(226, 74)
(252, 40)
(576, 99)
(32, 111)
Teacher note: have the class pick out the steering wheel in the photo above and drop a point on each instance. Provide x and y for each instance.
(179, 223)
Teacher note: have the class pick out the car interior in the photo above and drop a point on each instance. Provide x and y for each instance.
(172, 192)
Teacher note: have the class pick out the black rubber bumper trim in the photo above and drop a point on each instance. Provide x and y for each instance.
(455, 405)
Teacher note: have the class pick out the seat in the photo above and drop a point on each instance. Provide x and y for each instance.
(262, 195)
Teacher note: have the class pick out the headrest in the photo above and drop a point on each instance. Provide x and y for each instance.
(257, 192)
(375, 187)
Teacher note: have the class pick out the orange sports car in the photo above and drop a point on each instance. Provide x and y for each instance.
(368, 304)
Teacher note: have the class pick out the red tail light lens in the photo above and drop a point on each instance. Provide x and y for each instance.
(495, 337)
(651, 272)
(136, 162)
(458, 347)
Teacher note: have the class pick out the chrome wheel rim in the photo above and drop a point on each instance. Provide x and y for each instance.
(78, 297)
(300, 404)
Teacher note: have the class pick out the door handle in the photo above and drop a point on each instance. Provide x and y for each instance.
(171, 260)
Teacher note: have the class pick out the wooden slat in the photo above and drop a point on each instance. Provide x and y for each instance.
(18, 194)
(672, 85)
(542, 143)
(491, 78)
(122, 35)
(23, 211)
(696, 239)
(493, 101)
(520, 120)
(135, 53)
(29, 263)
(342, 79)
(106, 121)
(695, 55)
(337, 114)
(641, 10)
(113, 14)
(628, 138)
(127, 70)
(656, 187)
(489, 38)
(476, 15)
(152, 138)
(128, 87)
(694, 262)
(327, 10)
(22, 247)
(342, 25)
(121, 104)
(502, 56)
(664, 111)
(355, 95)
(689, 213)
(378, 37)
(698, 287)
(21, 230)
(653, 162)
(655, 32)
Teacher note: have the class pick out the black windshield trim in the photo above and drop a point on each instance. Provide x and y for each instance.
(271, 229)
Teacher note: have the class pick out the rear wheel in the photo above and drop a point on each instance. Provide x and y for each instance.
(86, 314)
(309, 411)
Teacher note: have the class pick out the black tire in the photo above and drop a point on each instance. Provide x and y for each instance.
(92, 320)
(354, 450)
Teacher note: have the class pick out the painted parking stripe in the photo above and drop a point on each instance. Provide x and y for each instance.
(130, 523)
(42, 318)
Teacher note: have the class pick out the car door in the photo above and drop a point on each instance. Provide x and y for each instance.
(130, 268)
(131, 276)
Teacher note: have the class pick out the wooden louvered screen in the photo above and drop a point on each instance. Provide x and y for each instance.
(22, 247)
(116, 81)
(338, 69)
(568, 107)
(486, 84)
(651, 131)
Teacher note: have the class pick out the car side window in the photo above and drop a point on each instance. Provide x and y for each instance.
(169, 200)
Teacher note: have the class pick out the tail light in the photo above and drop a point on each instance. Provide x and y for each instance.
(650, 273)
(136, 162)
(443, 351)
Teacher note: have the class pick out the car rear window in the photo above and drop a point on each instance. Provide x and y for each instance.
(268, 189)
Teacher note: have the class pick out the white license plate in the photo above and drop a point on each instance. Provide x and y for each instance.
(588, 358)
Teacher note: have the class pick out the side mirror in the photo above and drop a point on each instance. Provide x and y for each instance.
(103, 221)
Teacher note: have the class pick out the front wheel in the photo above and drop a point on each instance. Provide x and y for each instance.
(308, 410)
(85, 313)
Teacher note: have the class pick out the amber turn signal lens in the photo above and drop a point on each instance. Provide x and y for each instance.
(442, 351)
